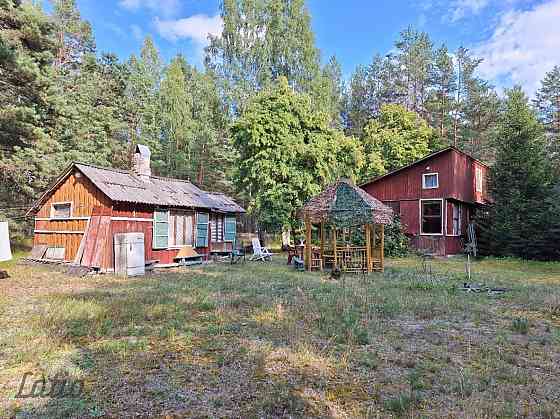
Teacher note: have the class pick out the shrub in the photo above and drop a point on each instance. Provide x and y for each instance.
(397, 243)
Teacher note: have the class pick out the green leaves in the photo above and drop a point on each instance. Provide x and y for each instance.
(521, 183)
(288, 153)
(394, 139)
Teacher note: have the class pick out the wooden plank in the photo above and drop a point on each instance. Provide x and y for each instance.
(81, 247)
(101, 242)
(91, 239)
(382, 247)
(334, 246)
(368, 247)
(308, 244)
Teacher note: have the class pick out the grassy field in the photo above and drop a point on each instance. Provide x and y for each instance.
(261, 340)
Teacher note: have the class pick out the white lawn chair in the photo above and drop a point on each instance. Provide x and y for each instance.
(259, 252)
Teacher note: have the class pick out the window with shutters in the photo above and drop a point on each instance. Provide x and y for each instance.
(217, 228)
(160, 236)
(202, 229)
(180, 228)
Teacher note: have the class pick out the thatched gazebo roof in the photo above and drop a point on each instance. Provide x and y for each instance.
(346, 205)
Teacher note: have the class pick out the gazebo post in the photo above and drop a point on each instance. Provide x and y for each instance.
(368, 247)
(307, 244)
(322, 239)
(334, 245)
(382, 248)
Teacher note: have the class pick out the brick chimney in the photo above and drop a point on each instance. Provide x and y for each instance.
(141, 162)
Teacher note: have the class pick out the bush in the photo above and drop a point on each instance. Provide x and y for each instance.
(397, 243)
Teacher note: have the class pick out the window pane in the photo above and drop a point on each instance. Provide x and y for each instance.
(172, 241)
(430, 181)
(431, 217)
(188, 229)
(456, 219)
(432, 208)
(61, 210)
(180, 232)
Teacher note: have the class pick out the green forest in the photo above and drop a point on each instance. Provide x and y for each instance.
(267, 118)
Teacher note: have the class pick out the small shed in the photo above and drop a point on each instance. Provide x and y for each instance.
(350, 228)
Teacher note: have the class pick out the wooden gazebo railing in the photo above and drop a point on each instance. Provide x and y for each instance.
(342, 205)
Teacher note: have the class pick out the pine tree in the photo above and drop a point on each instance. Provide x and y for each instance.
(74, 36)
(520, 181)
(547, 103)
(91, 125)
(443, 84)
(143, 102)
(28, 108)
(415, 57)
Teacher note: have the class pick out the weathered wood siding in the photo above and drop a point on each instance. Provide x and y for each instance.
(84, 196)
(70, 242)
(78, 190)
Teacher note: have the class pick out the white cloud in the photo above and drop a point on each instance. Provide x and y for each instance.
(163, 7)
(196, 28)
(463, 8)
(524, 46)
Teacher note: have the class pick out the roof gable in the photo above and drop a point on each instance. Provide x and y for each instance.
(422, 160)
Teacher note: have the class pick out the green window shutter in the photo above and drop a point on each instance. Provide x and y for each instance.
(202, 230)
(160, 236)
(230, 228)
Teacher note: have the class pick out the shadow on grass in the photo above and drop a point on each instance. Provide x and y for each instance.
(183, 344)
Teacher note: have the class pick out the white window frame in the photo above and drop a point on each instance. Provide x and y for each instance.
(443, 216)
(478, 178)
(62, 203)
(424, 175)
(453, 204)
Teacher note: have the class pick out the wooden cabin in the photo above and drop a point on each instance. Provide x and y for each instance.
(78, 217)
(435, 197)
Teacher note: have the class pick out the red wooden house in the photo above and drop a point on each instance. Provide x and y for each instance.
(435, 197)
(87, 206)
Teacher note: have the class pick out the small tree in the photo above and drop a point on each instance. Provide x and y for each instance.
(287, 153)
(520, 181)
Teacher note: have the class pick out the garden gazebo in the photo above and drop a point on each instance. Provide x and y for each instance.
(350, 229)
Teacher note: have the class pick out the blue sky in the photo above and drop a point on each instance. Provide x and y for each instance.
(518, 39)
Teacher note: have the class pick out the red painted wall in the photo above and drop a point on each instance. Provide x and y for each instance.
(456, 173)
(457, 183)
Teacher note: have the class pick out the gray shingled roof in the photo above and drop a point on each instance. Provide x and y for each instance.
(124, 186)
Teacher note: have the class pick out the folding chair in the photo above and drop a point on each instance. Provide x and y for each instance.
(259, 252)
